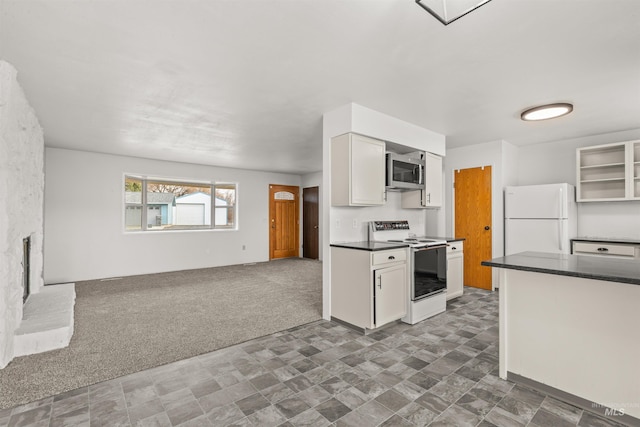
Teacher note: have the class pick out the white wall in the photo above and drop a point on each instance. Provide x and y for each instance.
(21, 203)
(84, 219)
(556, 162)
(338, 222)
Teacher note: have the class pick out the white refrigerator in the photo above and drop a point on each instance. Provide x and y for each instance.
(540, 218)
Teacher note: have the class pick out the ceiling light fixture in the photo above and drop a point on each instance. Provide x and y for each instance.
(544, 112)
(447, 11)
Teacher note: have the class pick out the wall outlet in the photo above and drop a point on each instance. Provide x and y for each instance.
(337, 223)
(355, 223)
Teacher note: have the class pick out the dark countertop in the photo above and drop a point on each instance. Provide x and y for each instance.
(448, 239)
(606, 240)
(585, 266)
(370, 246)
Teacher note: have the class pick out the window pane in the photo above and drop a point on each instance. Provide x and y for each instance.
(133, 218)
(225, 217)
(133, 203)
(132, 190)
(225, 195)
(225, 200)
(178, 206)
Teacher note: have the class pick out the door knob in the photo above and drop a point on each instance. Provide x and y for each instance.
(486, 227)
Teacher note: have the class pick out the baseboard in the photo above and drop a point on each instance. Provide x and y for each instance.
(364, 331)
(609, 413)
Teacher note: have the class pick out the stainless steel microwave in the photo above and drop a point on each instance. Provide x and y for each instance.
(405, 171)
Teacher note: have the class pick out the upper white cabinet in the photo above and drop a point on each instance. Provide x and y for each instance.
(634, 147)
(431, 196)
(608, 172)
(357, 171)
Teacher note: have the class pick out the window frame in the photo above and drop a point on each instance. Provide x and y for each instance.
(144, 206)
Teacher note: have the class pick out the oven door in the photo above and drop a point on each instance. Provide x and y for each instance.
(429, 271)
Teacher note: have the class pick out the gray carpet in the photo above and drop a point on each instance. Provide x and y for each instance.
(139, 322)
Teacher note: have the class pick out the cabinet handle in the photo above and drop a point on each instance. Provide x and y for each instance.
(603, 249)
(391, 257)
(379, 282)
(453, 248)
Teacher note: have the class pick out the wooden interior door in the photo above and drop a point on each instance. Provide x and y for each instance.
(284, 221)
(310, 236)
(472, 199)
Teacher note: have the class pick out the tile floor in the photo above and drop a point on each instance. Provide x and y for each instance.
(440, 372)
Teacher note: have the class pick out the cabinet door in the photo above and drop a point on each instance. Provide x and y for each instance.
(390, 294)
(431, 196)
(635, 169)
(433, 181)
(367, 171)
(455, 274)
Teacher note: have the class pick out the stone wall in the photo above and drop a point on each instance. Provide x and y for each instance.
(21, 203)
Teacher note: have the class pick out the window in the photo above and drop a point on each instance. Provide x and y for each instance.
(157, 204)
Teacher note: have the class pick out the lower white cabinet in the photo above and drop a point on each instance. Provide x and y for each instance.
(369, 288)
(390, 294)
(606, 249)
(455, 269)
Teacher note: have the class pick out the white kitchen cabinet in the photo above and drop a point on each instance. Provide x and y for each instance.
(455, 269)
(609, 172)
(431, 196)
(390, 294)
(369, 288)
(634, 148)
(357, 171)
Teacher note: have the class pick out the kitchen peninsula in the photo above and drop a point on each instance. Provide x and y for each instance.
(569, 327)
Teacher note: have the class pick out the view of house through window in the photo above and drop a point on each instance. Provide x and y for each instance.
(154, 204)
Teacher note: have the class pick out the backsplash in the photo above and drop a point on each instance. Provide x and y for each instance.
(343, 219)
(609, 219)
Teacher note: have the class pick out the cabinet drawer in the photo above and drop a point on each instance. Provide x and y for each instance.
(603, 249)
(454, 247)
(386, 257)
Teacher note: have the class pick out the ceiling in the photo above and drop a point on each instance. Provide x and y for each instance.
(244, 84)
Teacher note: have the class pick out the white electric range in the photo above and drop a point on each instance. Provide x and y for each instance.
(428, 268)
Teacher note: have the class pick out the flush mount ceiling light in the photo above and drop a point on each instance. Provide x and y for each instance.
(447, 11)
(544, 112)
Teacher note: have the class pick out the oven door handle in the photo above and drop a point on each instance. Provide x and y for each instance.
(428, 248)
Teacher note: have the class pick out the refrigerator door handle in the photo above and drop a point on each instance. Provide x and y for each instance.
(560, 203)
(560, 230)
(560, 216)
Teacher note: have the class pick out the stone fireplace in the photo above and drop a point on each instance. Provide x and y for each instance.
(21, 212)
